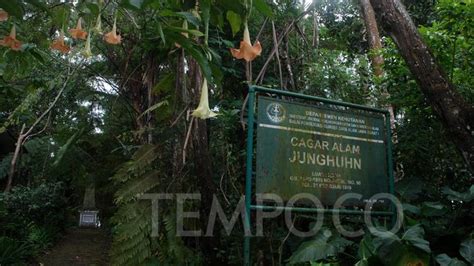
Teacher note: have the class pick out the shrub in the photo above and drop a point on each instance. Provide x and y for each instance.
(12, 251)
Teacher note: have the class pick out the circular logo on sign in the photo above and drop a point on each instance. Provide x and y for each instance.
(276, 112)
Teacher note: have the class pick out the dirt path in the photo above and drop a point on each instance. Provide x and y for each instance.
(79, 246)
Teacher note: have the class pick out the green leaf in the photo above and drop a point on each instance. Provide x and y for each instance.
(162, 35)
(459, 196)
(165, 84)
(362, 262)
(235, 6)
(234, 20)
(133, 4)
(445, 260)
(409, 188)
(94, 8)
(366, 247)
(467, 250)
(189, 17)
(62, 151)
(414, 235)
(205, 6)
(181, 30)
(36, 3)
(433, 209)
(60, 16)
(384, 234)
(263, 8)
(411, 208)
(325, 244)
(37, 55)
(153, 107)
(13, 7)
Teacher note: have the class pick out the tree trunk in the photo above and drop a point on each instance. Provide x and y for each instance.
(456, 115)
(373, 36)
(315, 30)
(375, 46)
(16, 155)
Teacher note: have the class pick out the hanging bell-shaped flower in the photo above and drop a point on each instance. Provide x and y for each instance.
(87, 49)
(203, 111)
(78, 32)
(112, 37)
(247, 51)
(98, 25)
(11, 41)
(3, 15)
(59, 45)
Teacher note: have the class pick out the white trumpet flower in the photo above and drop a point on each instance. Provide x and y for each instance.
(87, 49)
(203, 111)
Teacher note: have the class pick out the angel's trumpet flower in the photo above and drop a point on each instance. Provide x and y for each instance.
(3, 15)
(247, 51)
(98, 25)
(59, 45)
(11, 41)
(112, 37)
(78, 32)
(203, 111)
(87, 49)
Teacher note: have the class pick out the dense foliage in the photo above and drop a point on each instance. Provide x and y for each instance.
(118, 117)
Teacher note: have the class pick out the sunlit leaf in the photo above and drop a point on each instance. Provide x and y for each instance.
(263, 7)
(234, 20)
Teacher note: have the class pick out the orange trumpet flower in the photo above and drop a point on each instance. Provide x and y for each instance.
(11, 41)
(112, 37)
(58, 44)
(3, 15)
(247, 51)
(78, 32)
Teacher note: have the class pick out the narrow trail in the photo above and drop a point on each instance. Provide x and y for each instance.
(80, 246)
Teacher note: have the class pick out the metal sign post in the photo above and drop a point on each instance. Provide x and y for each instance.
(325, 151)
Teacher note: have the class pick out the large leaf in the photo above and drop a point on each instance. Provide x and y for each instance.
(325, 244)
(459, 196)
(467, 250)
(132, 4)
(411, 208)
(409, 188)
(445, 260)
(263, 7)
(433, 209)
(165, 85)
(60, 15)
(234, 20)
(366, 247)
(192, 49)
(13, 7)
(367, 252)
(153, 107)
(193, 32)
(414, 236)
(233, 5)
(62, 151)
(205, 6)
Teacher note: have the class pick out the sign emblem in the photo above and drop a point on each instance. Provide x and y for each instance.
(276, 112)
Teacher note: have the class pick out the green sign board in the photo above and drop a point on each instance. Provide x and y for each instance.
(314, 149)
